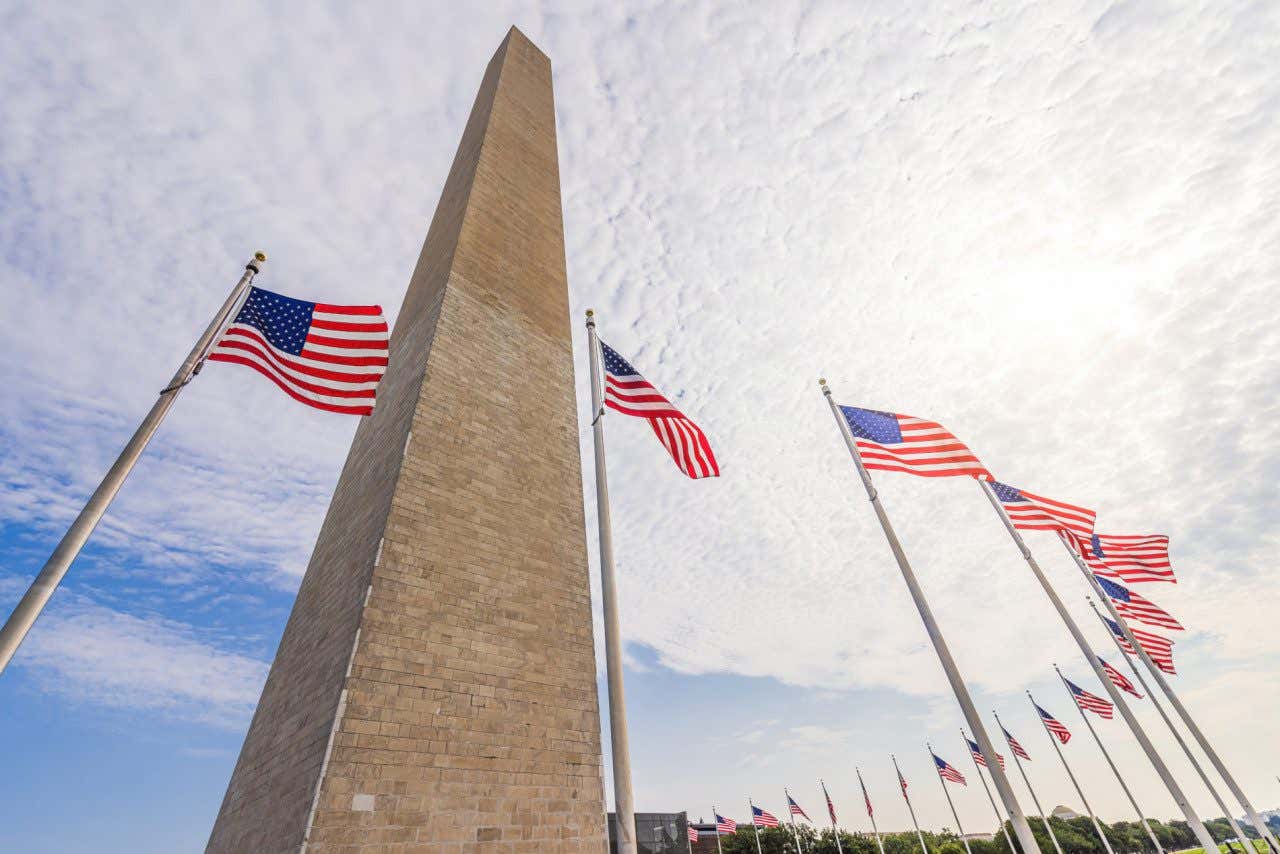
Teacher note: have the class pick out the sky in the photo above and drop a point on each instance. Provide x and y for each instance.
(1050, 226)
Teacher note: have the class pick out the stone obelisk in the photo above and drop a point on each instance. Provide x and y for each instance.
(435, 688)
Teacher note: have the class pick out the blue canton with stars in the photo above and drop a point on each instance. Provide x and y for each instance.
(1006, 493)
(283, 321)
(1115, 591)
(615, 364)
(881, 427)
(1097, 546)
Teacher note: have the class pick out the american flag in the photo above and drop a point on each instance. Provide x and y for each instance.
(1118, 679)
(1054, 725)
(763, 818)
(979, 758)
(327, 356)
(1091, 702)
(693, 833)
(902, 781)
(725, 825)
(831, 808)
(796, 810)
(1134, 607)
(1159, 648)
(627, 392)
(1030, 512)
(890, 442)
(947, 772)
(1130, 557)
(1018, 749)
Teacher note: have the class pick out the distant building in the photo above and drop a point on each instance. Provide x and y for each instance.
(1064, 812)
(659, 833)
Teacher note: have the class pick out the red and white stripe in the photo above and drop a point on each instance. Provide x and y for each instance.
(1018, 749)
(764, 818)
(725, 825)
(927, 449)
(1143, 610)
(1159, 648)
(340, 365)
(1094, 703)
(947, 772)
(982, 760)
(1118, 679)
(1135, 558)
(1055, 727)
(693, 833)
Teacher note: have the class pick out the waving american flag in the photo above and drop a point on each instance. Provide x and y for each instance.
(979, 758)
(796, 808)
(1118, 679)
(626, 391)
(890, 442)
(1131, 606)
(1053, 725)
(1030, 512)
(331, 357)
(1133, 558)
(1091, 702)
(725, 825)
(1159, 648)
(947, 771)
(763, 818)
(1018, 749)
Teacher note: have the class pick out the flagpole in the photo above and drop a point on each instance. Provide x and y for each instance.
(1023, 771)
(1193, 820)
(755, 826)
(1084, 716)
(1084, 800)
(871, 813)
(1261, 826)
(795, 833)
(1177, 736)
(909, 808)
(715, 816)
(623, 798)
(68, 548)
(933, 756)
(835, 830)
(1023, 830)
(990, 797)
(1053, 739)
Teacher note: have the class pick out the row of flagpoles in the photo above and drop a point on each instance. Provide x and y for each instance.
(898, 443)
(333, 357)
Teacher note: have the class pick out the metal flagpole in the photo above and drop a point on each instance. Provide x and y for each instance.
(40, 591)
(795, 833)
(755, 826)
(624, 802)
(1236, 791)
(834, 829)
(1193, 820)
(1177, 736)
(715, 816)
(1084, 716)
(943, 783)
(1023, 771)
(1023, 830)
(910, 809)
(1084, 800)
(990, 797)
(871, 814)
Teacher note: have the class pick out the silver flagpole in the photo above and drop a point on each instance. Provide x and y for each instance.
(1053, 739)
(834, 829)
(910, 809)
(1084, 716)
(871, 813)
(943, 783)
(1177, 736)
(1023, 771)
(715, 816)
(1236, 791)
(795, 833)
(755, 826)
(1023, 830)
(40, 591)
(1193, 820)
(623, 798)
(995, 809)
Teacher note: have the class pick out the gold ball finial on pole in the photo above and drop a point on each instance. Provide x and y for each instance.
(261, 256)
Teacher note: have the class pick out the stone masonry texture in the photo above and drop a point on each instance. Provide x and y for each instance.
(434, 690)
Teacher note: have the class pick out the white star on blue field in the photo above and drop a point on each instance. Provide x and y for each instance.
(1049, 227)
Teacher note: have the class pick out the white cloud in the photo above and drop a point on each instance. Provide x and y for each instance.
(1050, 228)
(93, 654)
